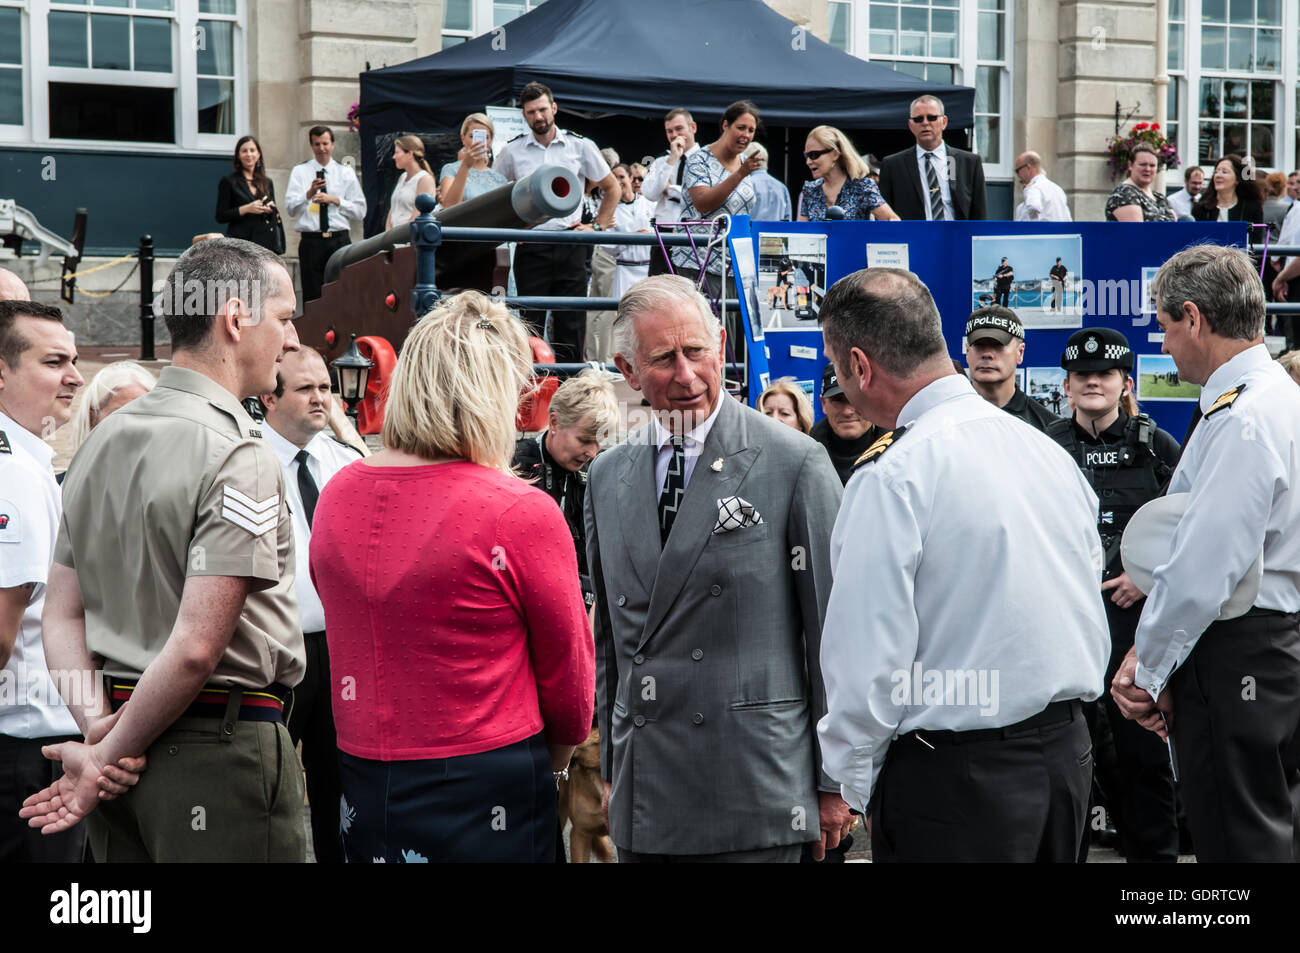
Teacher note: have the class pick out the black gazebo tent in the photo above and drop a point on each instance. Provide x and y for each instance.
(627, 58)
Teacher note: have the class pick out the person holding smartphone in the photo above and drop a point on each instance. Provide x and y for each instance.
(471, 174)
(246, 199)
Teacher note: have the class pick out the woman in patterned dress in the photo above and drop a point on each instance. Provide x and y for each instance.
(840, 177)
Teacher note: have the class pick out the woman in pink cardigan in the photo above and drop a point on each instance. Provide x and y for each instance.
(458, 638)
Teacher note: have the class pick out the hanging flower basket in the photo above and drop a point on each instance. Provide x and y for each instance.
(1119, 149)
(354, 117)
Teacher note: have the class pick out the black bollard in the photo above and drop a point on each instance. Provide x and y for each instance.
(146, 298)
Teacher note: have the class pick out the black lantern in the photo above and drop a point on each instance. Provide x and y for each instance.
(354, 372)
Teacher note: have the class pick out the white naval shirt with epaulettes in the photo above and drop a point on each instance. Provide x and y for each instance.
(967, 551)
(325, 457)
(523, 155)
(1241, 468)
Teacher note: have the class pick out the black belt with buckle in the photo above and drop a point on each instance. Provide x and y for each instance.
(1056, 713)
(320, 234)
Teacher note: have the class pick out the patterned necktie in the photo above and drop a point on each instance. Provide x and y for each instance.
(674, 486)
(936, 193)
(306, 487)
(324, 210)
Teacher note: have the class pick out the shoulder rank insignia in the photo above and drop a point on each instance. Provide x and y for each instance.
(4, 443)
(346, 446)
(1226, 399)
(513, 138)
(880, 446)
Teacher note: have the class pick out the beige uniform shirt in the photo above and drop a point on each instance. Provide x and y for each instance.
(181, 483)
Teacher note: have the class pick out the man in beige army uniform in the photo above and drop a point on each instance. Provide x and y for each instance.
(174, 570)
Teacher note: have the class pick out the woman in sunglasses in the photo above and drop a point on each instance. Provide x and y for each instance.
(839, 178)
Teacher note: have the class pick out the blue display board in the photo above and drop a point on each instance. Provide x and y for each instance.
(1109, 265)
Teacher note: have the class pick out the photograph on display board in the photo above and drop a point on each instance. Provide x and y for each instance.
(791, 280)
(1036, 276)
(748, 277)
(1148, 298)
(1047, 386)
(1157, 379)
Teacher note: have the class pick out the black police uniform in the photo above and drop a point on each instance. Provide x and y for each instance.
(1029, 410)
(1127, 464)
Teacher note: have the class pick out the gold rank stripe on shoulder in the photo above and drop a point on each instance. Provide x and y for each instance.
(4, 443)
(1226, 399)
(880, 446)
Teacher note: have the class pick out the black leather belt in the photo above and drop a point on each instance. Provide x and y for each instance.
(1057, 713)
(325, 235)
(1256, 612)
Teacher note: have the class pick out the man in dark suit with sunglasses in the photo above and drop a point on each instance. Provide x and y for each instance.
(933, 181)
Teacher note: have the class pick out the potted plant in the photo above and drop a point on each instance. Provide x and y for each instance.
(1119, 149)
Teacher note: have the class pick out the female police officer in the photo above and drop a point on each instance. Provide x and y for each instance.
(1128, 461)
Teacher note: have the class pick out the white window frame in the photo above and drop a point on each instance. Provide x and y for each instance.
(1284, 98)
(481, 19)
(965, 65)
(38, 74)
(10, 132)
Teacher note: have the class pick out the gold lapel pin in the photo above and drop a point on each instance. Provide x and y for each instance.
(716, 465)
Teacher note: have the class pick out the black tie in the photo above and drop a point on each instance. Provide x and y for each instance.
(936, 192)
(306, 487)
(324, 214)
(674, 486)
(681, 165)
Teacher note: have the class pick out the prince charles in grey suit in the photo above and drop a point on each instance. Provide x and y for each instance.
(708, 538)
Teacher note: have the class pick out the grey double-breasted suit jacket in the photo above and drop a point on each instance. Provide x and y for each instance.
(708, 677)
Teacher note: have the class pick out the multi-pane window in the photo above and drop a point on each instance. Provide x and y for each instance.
(11, 66)
(918, 37)
(216, 66)
(839, 25)
(990, 73)
(465, 19)
(1240, 65)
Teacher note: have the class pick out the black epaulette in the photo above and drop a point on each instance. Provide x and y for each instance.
(346, 445)
(1225, 399)
(4, 443)
(513, 138)
(874, 451)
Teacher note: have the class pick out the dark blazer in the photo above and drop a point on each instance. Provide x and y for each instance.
(709, 685)
(902, 188)
(1246, 210)
(232, 192)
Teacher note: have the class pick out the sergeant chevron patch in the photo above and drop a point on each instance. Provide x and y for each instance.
(250, 514)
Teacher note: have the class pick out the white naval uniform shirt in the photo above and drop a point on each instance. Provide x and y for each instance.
(1241, 467)
(660, 186)
(1044, 202)
(30, 505)
(340, 180)
(967, 551)
(523, 155)
(325, 457)
(945, 188)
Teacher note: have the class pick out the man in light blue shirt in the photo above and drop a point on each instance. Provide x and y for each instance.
(771, 197)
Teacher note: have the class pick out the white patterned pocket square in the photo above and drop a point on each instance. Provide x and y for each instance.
(735, 513)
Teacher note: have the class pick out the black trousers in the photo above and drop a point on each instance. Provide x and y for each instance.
(1021, 797)
(496, 806)
(1134, 774)
(785, 854)
(313, 253)
(1236, 703)
(23, 772)
(311, 721)
(1004, 297)
(554, 270)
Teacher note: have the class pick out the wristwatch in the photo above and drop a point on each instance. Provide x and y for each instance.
(596, 226)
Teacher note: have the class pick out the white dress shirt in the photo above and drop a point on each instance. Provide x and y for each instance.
(660, 186)
(1290, 233)
(325, 457)
(1044, 202)
(692, 445)
(340, 180)
(523, 155)
(1181, 202)
(632, 262)
(1241, 467)
(967, 551)
(30, 505)
(945, 188)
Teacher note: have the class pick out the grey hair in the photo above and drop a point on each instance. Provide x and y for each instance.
(1222, 283)
(610, 156)
(758, 149)
(888, 314)
(110, 379)
(649, 294)
(927, 98)
(216, 270)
